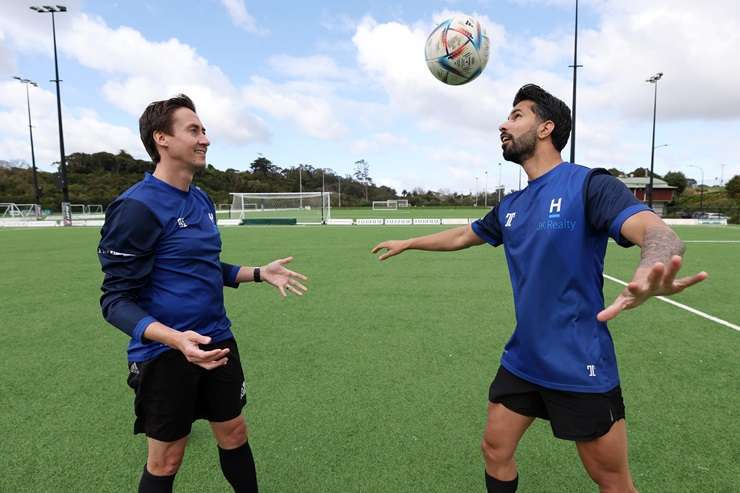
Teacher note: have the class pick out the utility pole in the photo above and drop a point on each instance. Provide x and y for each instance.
(66, 210)
(36, 191)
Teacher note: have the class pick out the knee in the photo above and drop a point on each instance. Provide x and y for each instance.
(234, 437)
(494, 451)
(610, 481)
(167, 464)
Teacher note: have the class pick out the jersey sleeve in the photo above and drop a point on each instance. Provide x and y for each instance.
(229, 273)
(126, 253)
(609, 204)
(488, 229)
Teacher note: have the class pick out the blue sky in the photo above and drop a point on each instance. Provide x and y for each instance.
(328, 83)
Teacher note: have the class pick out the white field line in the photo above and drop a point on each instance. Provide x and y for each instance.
(685, 307)
(711, 241)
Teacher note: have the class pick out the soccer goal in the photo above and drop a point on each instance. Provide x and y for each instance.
(94, 209)
(10, 209)
(78, 210)
(385, 205)
(305, 207)
(403, 203)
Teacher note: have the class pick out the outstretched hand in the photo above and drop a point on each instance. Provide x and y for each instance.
(660, 279)
(284, 279)
(393, 247)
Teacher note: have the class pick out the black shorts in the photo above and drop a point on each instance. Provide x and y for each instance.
(573, 415)
(171, 393)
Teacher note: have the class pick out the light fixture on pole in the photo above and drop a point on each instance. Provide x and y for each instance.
(653, 80)
(36, 191)
(701, 187)
(66, 211)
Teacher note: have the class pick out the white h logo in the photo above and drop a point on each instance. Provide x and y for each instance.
(509, 218)
(591, 370)
(555, 206)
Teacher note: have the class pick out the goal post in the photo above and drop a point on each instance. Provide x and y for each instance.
(304, 207)
(385, 205)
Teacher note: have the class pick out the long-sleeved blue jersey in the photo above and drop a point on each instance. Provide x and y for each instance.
(159, 250)
(555, 233)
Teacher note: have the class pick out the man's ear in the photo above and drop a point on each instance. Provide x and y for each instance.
(545, 129)
(160, 138)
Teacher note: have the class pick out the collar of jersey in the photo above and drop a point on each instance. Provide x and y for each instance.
(153, 180)
(546, 175)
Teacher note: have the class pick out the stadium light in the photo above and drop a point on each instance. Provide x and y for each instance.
(701, 187)
(575, 69)
(36, 191)
(66, 212)
(653, 80)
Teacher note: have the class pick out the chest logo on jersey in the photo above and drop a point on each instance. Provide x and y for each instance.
(181, 222)
(591, 370)
(554, 222)
(555, 207)
(509, 218)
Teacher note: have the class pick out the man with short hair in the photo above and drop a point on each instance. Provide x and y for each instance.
(560, 363)
(163, 287)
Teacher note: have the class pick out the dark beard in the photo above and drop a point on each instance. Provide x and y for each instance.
(522, 148)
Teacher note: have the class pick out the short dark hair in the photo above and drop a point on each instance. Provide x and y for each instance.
(158, 117)
(548, 107)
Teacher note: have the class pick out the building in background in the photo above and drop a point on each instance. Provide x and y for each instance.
(663, 193)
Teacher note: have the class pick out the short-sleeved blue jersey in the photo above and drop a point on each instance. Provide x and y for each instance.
(159, 250)
(555, 233)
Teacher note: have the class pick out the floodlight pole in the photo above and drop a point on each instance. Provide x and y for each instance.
(653, 80)
(36, 191)
(485, 196)
(46, 9)
(323, 221)
(575, 72)
(300, 186)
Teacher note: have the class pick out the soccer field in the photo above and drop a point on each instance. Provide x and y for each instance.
(375, 381)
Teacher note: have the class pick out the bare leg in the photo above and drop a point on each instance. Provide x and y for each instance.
(605, 460)
(164, 458)
(504, 429)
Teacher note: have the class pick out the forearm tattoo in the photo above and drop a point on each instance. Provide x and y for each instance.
(659, 245)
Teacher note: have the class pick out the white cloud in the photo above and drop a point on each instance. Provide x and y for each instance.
(84, 131)
(238, 12)
(305, 104)
(142, 71)
(380, 142)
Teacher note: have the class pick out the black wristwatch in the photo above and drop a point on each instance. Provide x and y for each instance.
(256, 275)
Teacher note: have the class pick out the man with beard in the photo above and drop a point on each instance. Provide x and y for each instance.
(560, 363)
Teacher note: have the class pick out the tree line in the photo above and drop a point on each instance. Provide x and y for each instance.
(100, 177)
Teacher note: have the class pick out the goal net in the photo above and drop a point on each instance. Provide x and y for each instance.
(403, 203)
(305, 207)
(10, 209)
(385, 205)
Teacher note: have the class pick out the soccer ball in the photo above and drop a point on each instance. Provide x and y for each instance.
(457, 50)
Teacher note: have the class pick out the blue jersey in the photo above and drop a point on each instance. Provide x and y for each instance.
(555, 233)
(159, 250)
